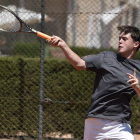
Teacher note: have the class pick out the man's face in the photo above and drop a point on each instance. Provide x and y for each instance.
(126, 44)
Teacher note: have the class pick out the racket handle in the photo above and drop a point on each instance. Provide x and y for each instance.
(44, 36)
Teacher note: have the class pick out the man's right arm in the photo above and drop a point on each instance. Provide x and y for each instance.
(72, 57)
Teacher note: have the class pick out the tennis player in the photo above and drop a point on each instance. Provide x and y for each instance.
(116, 82)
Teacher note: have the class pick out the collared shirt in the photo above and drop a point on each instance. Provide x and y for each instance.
(112, 94)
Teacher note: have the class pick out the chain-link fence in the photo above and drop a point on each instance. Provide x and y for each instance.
(41, 95)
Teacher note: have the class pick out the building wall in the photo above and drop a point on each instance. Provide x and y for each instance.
(87, 28)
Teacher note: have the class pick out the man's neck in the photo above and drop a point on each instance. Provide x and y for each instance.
(132, 55)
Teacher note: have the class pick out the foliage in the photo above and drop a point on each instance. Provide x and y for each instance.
(30, 50)
(68, 90)
(82, 51)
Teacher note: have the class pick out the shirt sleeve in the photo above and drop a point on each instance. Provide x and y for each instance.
(93, 62)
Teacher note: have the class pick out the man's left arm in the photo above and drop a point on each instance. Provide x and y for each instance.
(134, 82)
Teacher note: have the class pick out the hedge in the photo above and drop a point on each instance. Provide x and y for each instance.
(70, 91)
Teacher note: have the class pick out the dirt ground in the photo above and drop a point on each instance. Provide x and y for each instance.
(57, 135)
(136, 137)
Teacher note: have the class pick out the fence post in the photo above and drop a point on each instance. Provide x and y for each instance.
(41, 71)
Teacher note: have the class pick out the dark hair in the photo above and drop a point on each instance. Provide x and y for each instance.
(134, 31)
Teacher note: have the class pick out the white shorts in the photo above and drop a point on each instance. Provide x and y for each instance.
(102, 129)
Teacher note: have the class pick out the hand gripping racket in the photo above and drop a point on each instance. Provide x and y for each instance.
(10, 22)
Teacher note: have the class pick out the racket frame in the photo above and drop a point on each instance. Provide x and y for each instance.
(32, 31)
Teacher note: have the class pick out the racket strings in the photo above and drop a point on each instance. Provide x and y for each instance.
(8, 22)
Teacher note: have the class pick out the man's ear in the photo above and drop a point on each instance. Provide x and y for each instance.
(136, 44)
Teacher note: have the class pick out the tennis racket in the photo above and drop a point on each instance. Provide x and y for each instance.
(10, 22)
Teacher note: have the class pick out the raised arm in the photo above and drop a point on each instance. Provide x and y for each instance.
(72, 57)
